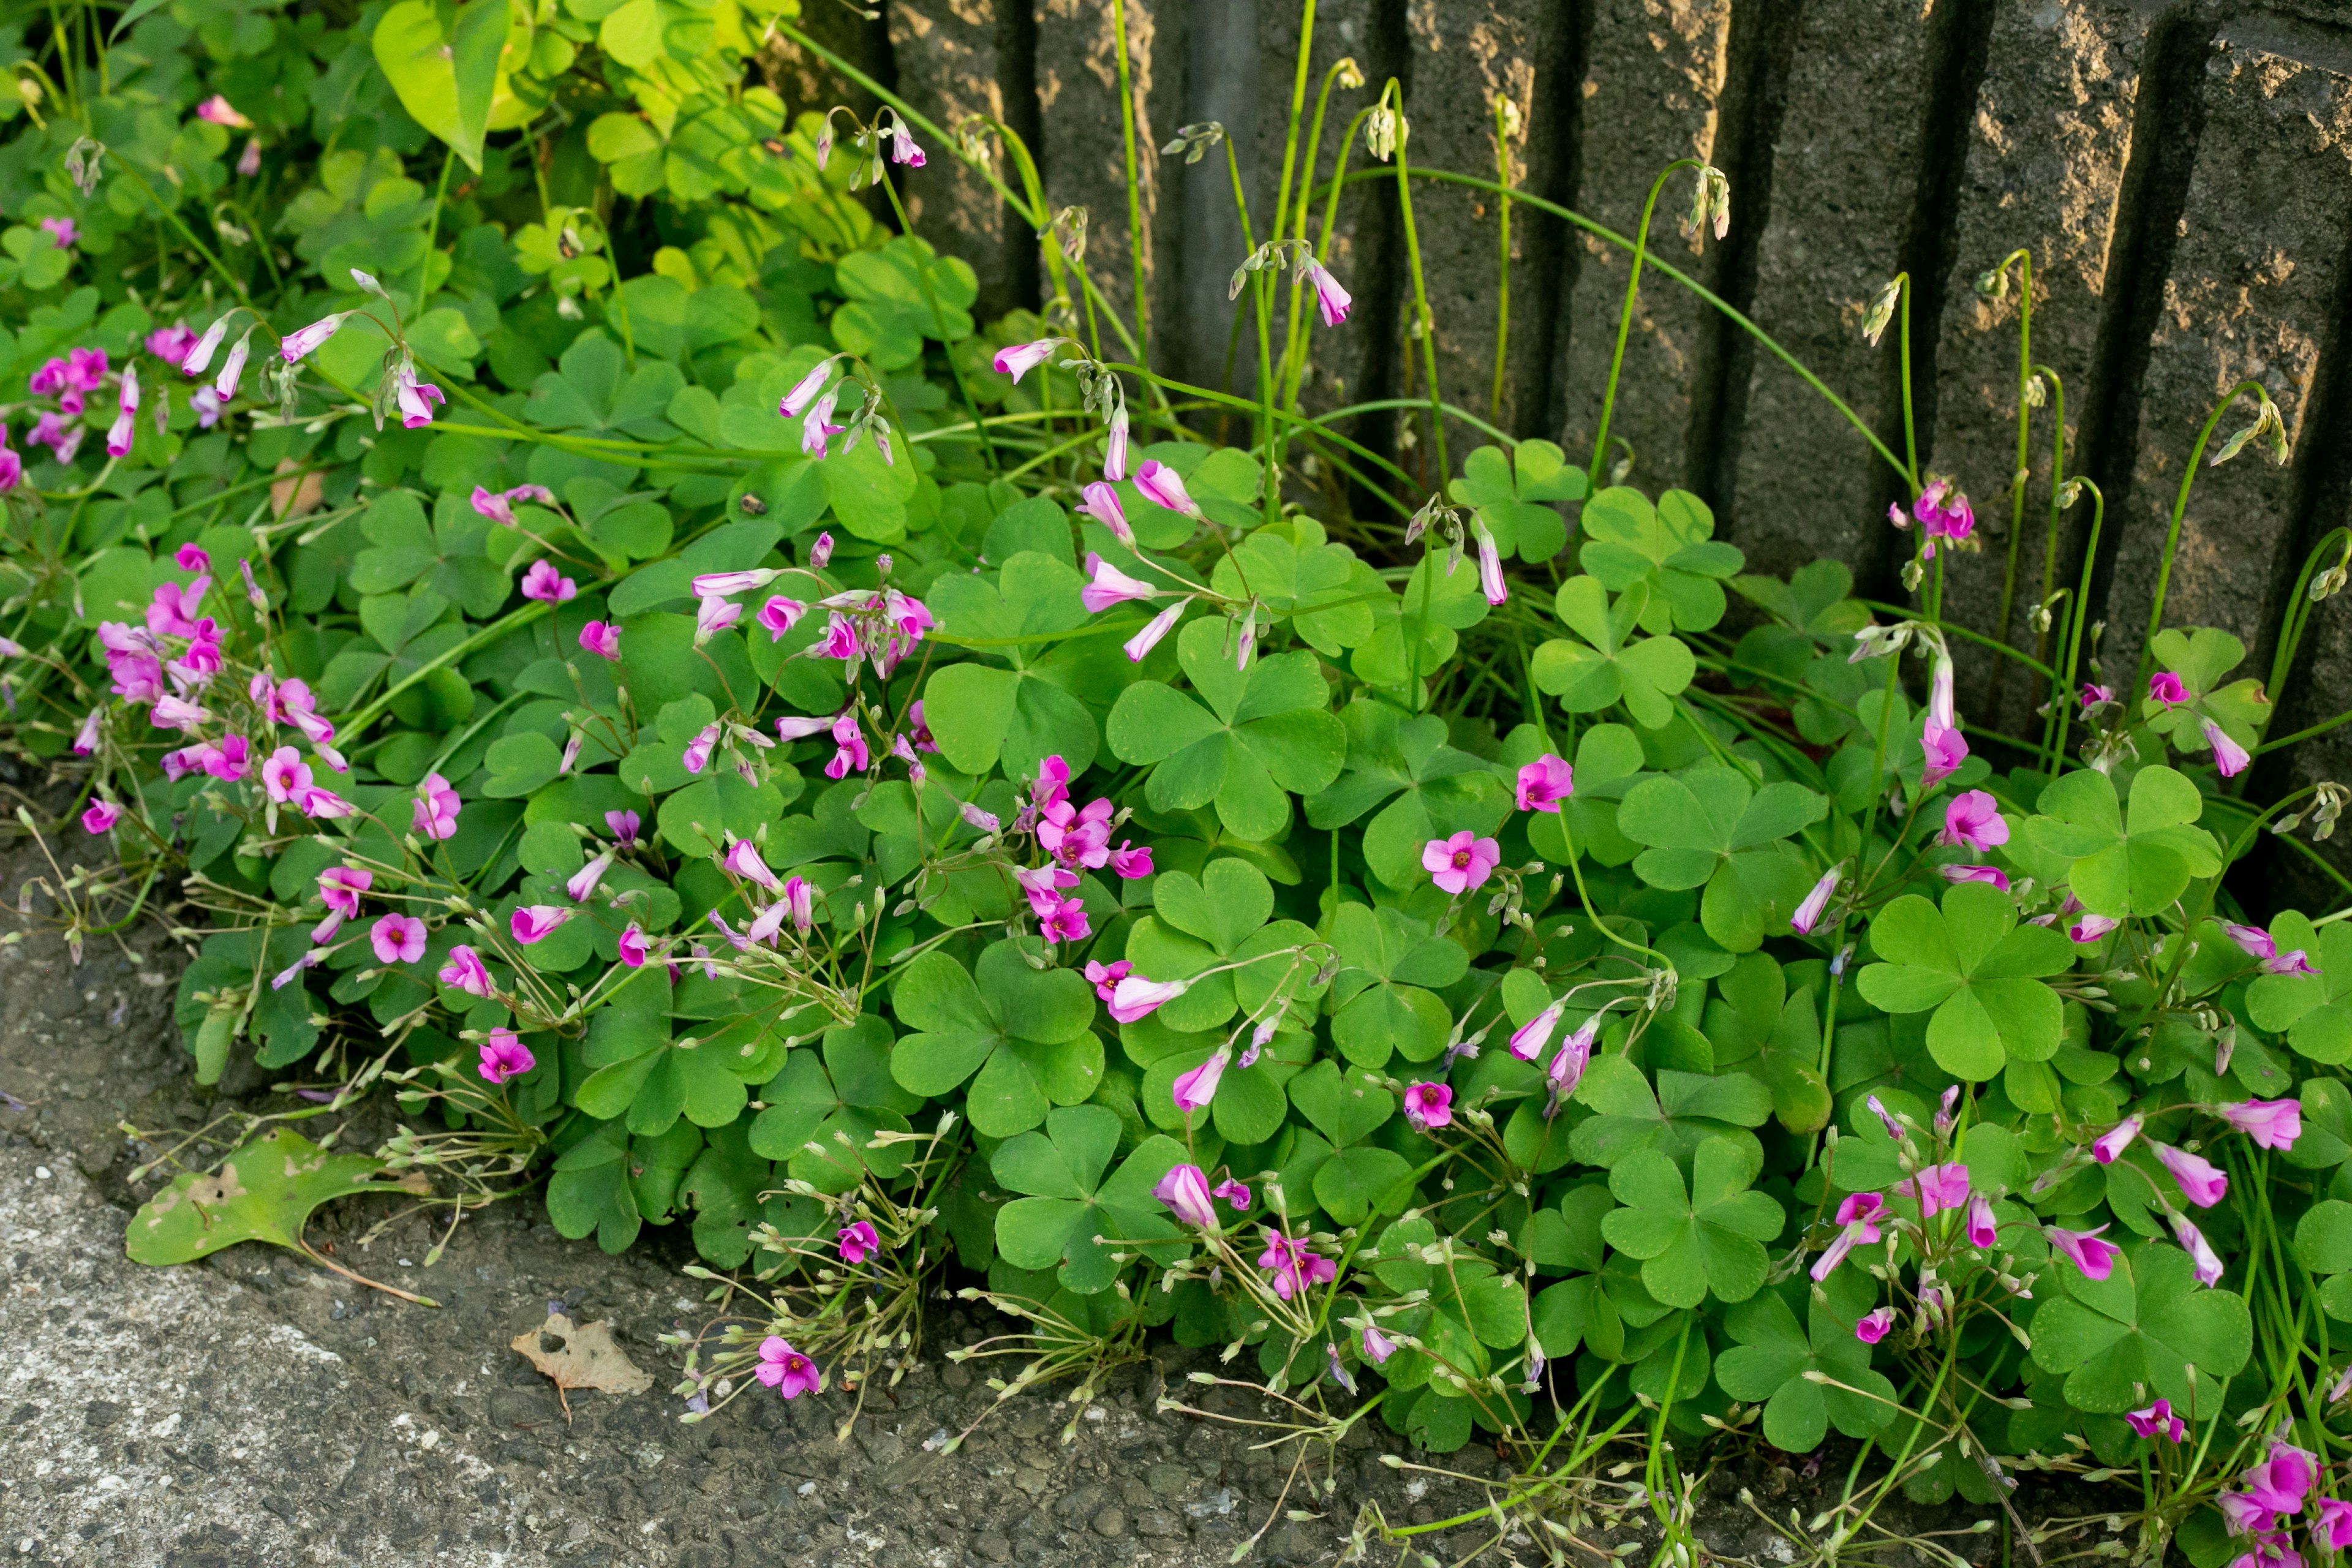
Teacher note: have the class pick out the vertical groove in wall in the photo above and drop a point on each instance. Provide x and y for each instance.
(1962, 37)
(1018, 40)
(1550, 249)
(1755, 96)
(1386, 290)
(2167, 125)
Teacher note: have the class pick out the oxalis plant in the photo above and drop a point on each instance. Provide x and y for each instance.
(745, 747)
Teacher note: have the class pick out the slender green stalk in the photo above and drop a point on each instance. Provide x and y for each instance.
(1625, 316)
(2172, 534)
(2078, 614)
(1505, 112)
(1423, 320)
(2024, 260)
(1136, 234)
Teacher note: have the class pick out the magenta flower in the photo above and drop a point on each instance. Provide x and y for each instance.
(1131, 865)
(231, 370)
(2331, 1524)
(434, 811)
(304, 340)
(780, 614)
(903, 149)
(582, 886)
(2271, 1124)
(2201, 1251)
(2084, 1250)
(1115, 445)
(2093, 695)
(416, 399)
(858, 1242)
(1066, 922)
(282, 774)
(1237, 1194)
(1293, 1265)
(339, 888)
(1490, 565)
(544, 583)
(1163, 486)
(2166, 687)
(1018, 360)
(1873, 1327)
(1946, 749)
(1858, 1218)
(2282, 1479)
(398, 938)
(120, 434)
(466, 973)
(1105, 977)
(785, 1370)
(2228, 757)
(602, 638)
(2203, 1183)
(1461, 863)
(1983, 1229)
(1972, 821)
(218, 110)
(1331, 301)
(1135, 995)
(1566, 1069)
(1185, 1190)
(850, 752)
(1529, 1040)
(1815, 903)
(820, 554)
(697, 754)
(840, 640)
(1107, 585)
(1545, 783)
(1938, 1188)
(1193, 1090)
(1101, 503)
(1429, 1105)
(1378, 1346)
(61, 230)
(2157, 1420)
(504, 1056)
(530, 922)
(2091, 928)
(803, 393)
(1943, 513)
(1138, 647)
(2116, 1139)
(100, 817)
(742, 858)
(633, 946)
(1992, 876)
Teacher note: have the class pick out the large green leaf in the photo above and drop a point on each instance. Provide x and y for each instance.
(446, 74)
(1978, 971)
(2148, 1330)
(1022, 1036)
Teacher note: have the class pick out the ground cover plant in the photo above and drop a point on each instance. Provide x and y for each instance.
(746, 747)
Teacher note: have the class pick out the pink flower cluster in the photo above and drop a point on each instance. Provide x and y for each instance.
(1076, 839)
(1293, 1265)
(2268, 1494)
(1942, 514)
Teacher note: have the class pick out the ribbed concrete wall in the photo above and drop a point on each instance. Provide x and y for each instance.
(2180, 170)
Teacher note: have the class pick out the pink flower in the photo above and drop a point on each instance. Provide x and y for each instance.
(1107, 585)
(785, 1370)
(1461, 863)
(1545, 783)
(2200, 1181)
(2157, 1420)
(1566, 1069)
(1018, 360)
(1131, 865)
(742, 858)
(339, 888)
(850, 753)
(2331, 1524)
(1330, 300)
(582, 886)
(2200, 1252)
(1051, 785)
(61, 230)
(840, 640)
(466, 973)
(1076, 838)
(2228, 757)
(1490, 565)
(303, 341)
(1066, 922)
(1185, 1190)
(1972, 821)
(1101, 503)
(903, 149)
(2084, 1250)
(2116, 1139)
(416, 399)
(493, 505)
(1378, 1346)
(2166, 687)
(1983, 1229)
(1873, 1327)
(858, 1241)
(803, 393)
(2093, 695)
(1163, 486)
(1992, 876)
(398, 938)
(1293, 1265)
(820, 554)
(1193, 1090)
(1946, 749)
(504, 1056)
(780, 614)
(1938, 1188)
(1529, 1040)
(1429, 1105)
(1138, 647)
(2271, 1124)
(1943, 513)
(633, 946)
(2091, 928)
(324, 802)
(1234, 1192)
(544, 583)
(434, 813)
(283, 774)
(713, 615)
(602, 638)
(1816, 903)
(1115, 445)
(530, 922)
(219, 111)
(100, 817)
(119, 434)
(1105, 977)
(2282, 1478)
(1858, 1217)
(231, 370)
(1135, 995)
(697, 754)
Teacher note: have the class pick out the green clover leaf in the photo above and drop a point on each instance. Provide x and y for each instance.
(1290, 567)
(2148, 1330)
(1437, 790)
(2134, 863)
(1758, 1028)
(1347, 1108)
(1709, 827)
(1069, 1206)
(1669, 547)
(1385, 996)
(1978, 970)
(1021, 1036)
(1264, 735)
(2201, 658)
(1604, 663)
(837, 1099)
(2323, 1244)
(1708, 1238)
(1416, 633)
(1688, 1110)
(2314, 1011)
(263, 1192)
(1773, 1355)
(1510, 490)
(1204, 922)
(1038, 702)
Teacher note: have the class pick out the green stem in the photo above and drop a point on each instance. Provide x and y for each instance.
(1625, 316)
(2172, 534)
(1134, 184)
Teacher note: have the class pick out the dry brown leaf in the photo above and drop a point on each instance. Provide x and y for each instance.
(580, 1356)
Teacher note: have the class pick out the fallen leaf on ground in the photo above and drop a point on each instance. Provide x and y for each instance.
(584, 1356)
